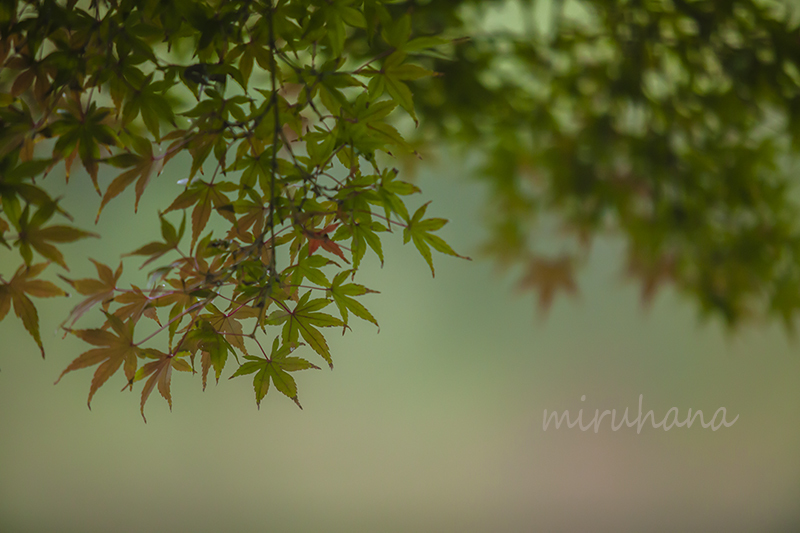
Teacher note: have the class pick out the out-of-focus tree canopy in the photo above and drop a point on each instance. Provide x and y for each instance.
(672, 123)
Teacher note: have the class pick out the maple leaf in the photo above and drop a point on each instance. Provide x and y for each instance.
(783, 300)
(138, 304)
(342, 297)
(419, 231)
(212, 345)
(308, 267)
(153, 106)
(160, 372)
(275, 368)
(205, 197)
(116, 348)
(548, 277)
(388, 195)
(15, 185)
(321, 238)
(182, 299)
(303, 321)
(33, 235)
(3, 228)
(389, 79)
(15, 292)
(228, 325)
(507, 243)
(652, 273)
(83, 132)
(144, 166)
(254, 214)
(99, 290)
(171, 237)
(363, 234)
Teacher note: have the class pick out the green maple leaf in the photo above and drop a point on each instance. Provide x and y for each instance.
(308, 267)
(85, 131)
(363, 234)
(419, 231)
(276, 369)
(342, 297)
(212, 345)
(388, 195)
(397, 32)
(391, 79)
(14, 184)
(153, 106)
(303, 321)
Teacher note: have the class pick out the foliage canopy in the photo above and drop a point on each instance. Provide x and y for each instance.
(672, 123)
(292, 168)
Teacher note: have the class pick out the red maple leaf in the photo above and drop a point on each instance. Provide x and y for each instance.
(320, 238)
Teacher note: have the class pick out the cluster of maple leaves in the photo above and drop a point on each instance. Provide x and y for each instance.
(673, 126)
(290, 167)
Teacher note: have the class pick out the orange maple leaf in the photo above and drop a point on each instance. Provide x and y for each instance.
(15, 291)
(160, 372)
(98, 290)
(115, 349)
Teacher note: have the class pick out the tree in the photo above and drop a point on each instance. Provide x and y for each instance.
(293, 170)
(672, 123)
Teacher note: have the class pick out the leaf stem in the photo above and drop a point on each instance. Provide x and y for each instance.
(276, 132)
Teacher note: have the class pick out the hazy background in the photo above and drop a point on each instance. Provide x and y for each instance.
(435, 424)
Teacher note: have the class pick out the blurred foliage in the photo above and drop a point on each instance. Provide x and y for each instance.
(673, 124)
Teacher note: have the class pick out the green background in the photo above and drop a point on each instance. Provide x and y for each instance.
(434, 424)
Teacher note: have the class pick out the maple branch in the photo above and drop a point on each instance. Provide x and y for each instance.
(308, 287)
(306, 201)
(262, 349)
(377, 57)
(179, 316)
(216, 171)
(276, 129)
